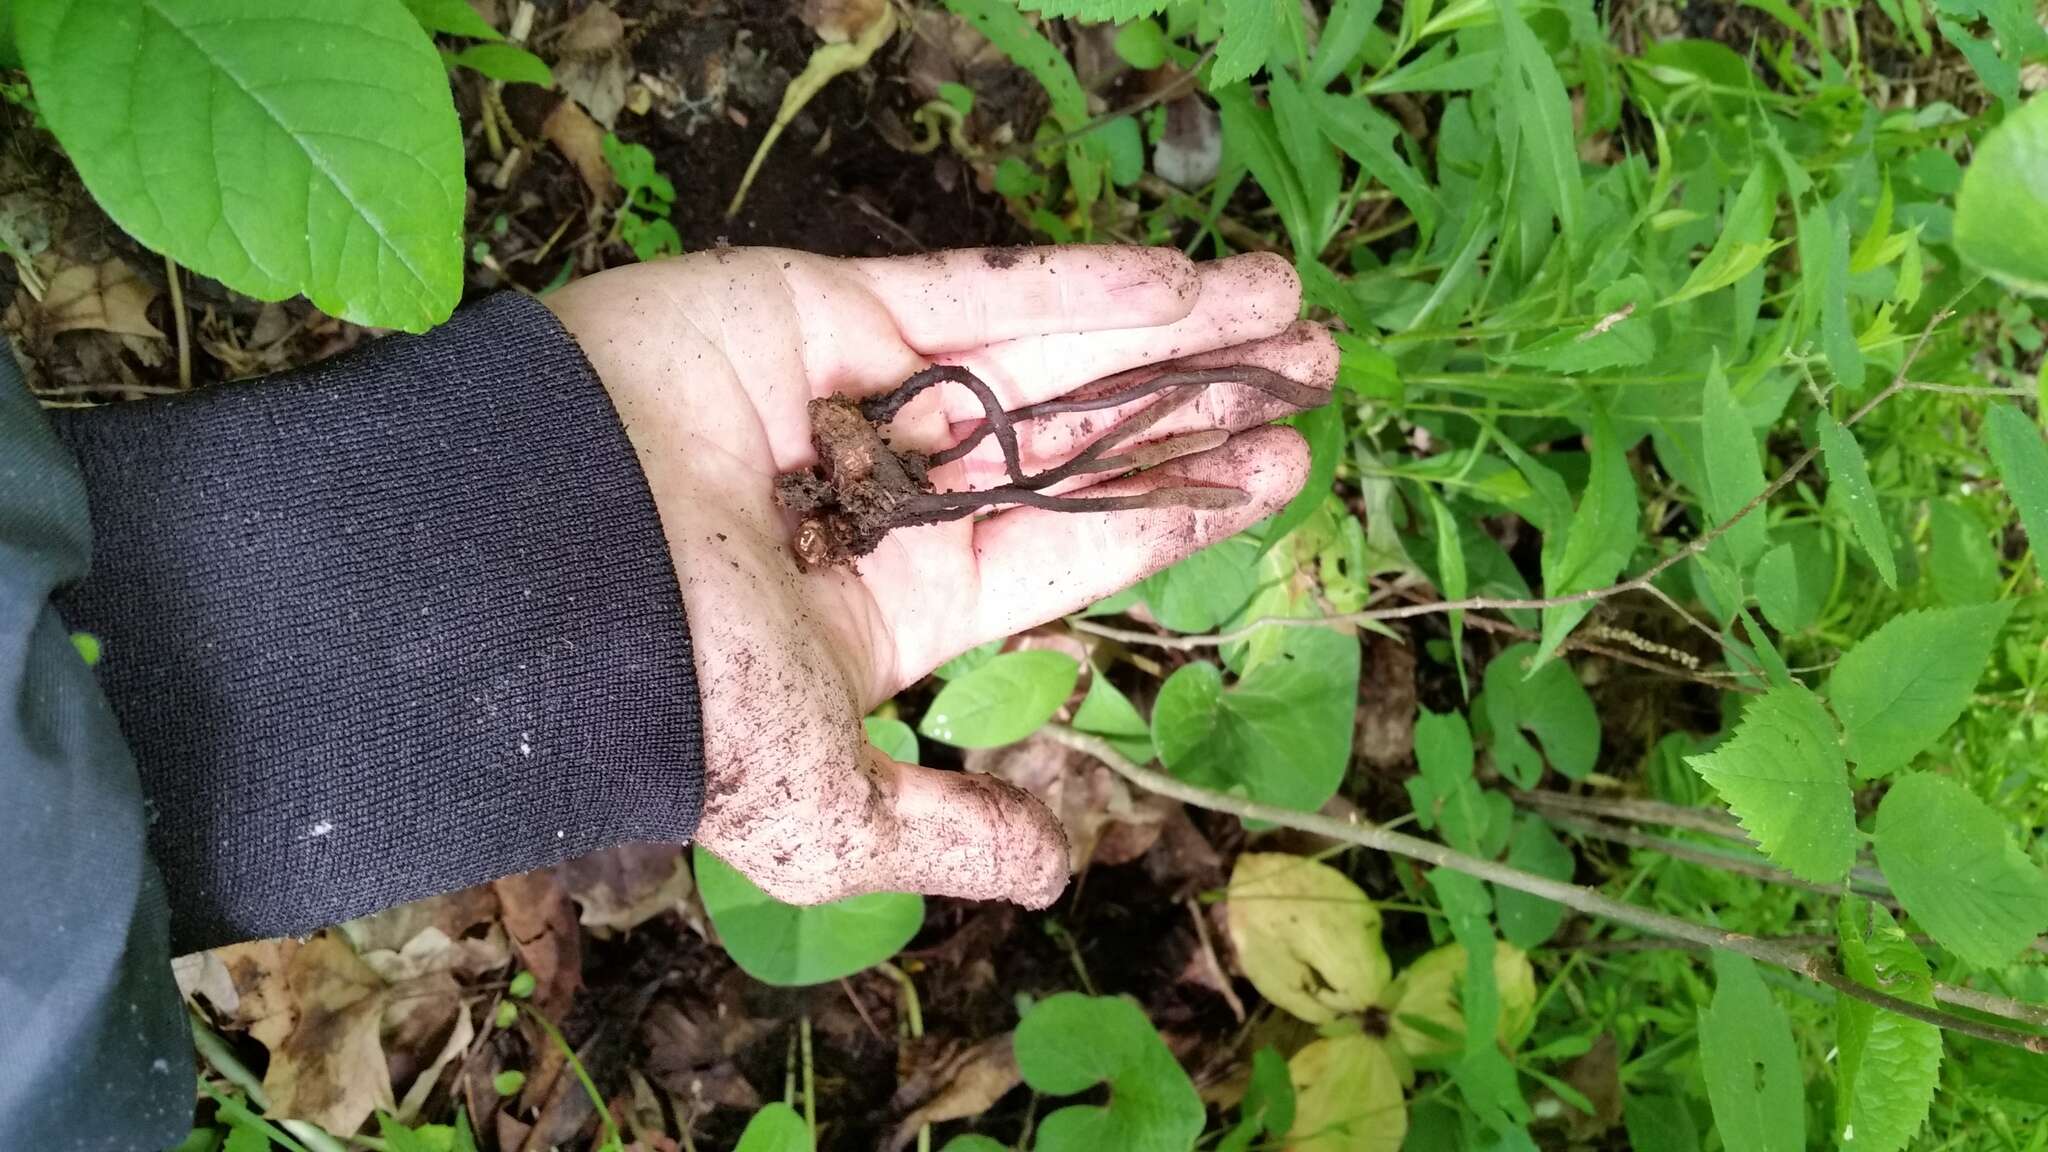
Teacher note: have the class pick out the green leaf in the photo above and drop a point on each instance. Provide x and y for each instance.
(1783, 776)
(2001, 222)
(1002, 701)
(1141, 44)
(1201, 592)
(1889, 1064)
(1960, 562)
(1734, 471)
(1456, 581)
(334, 172)
(454, 17)
(974, 1142)
(1280, 735)
(507, 62)
(1027, 48)
(1482, 1072)
(1793, 579)
(1268, 1104)
(1344, 33)
(1367, 135)
(1069, 1043)
(1902, 686)
(968, 661)
(1427, 1002)
(1306, 937)
(775, 1128)
(2022, 460)
(1547, 700)
(1744, 239)
(1529, 921)
(788, 946)
(1545, 116)
(1252, 31)
(247, 1138)
(1347, 1097)
(1603, 533)
(1848, 474)
(893, 737)
(1112, 11)
(1824, 264)
(1750, 1062)
(1953, 866)
(1108, 713)
(1323, 428)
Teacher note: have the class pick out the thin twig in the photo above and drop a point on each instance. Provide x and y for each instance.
(1708, 857)
(183, 324)
(1573, 896)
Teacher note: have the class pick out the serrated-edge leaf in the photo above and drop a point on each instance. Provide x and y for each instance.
(2022, 459)
(1951, 862)
(1903, 685)
(1027, 48)
(1889, 1064)
(1847, 469)
(1783, 776)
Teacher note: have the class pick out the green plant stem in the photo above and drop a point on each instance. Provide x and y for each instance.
(1580, 899)
(604, 1112)
(913, 1017)
(810, 1076)
(215, 1051)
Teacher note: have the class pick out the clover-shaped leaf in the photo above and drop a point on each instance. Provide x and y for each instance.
(1071, 1042)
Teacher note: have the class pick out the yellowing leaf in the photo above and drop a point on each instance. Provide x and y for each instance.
(1307, 938)
(1347, 1097)
(1429, 1018)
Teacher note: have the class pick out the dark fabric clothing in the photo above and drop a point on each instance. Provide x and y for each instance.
(396, 624)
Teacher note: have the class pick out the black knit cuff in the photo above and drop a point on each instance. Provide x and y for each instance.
(399, 623)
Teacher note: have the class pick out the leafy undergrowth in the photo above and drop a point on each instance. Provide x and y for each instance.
(1629, 739)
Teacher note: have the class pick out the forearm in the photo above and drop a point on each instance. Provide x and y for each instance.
(386, 627)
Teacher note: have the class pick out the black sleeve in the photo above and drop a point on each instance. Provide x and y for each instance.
(94, 1051)
(393, 625)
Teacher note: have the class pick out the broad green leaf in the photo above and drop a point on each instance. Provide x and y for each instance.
(1438, 70)
(1951, 862)
(1323, 428)
(1744, 240)
(1309, 154)
(1960, 562)
(1426, 1002)
(1141, 44)
(1734, 471)
(974, 1142)
(1793, 579)
(1783, 776)
(1889, 1064)
(1622, 336)
(1450, 566)
(1252, 138)
(1902, 686)
(1347, 1097)
(1349, 24)
(1444, 792)
(1069, 1043)
(1603, 533)
(1002, 701)
(1548, 701)
(1108, 713)
(1027, 48)
(1660, 1123)
(973, 658)
(2001, 222)
(775, 1128)
(1201, 592)
(1268, 1105)
(1824, 266)
(1280, 735)
(336, 172)
(1113, 11)
(1848, 474)
(1750, 1062)
(1306, 937)
(1529, 921)
(455, 17)
(893, 737)
(507, 62)
(2022, 460)
(1545, 116)
(788, 946)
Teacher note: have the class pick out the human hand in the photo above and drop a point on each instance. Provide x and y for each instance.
(711, 360)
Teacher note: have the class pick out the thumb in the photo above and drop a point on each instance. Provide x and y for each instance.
(969, 835)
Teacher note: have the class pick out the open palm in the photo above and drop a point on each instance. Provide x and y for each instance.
(712, 359)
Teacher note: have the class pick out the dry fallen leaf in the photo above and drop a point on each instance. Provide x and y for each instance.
(107, 297)
(542, 923)
(1089, 799)
(423, 1085)
(591, 62)
(330, 1069)
(975, 1080)
(581, 140)
(838, 21)
(621, 888)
